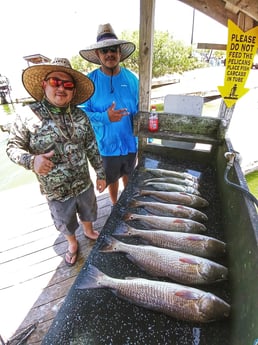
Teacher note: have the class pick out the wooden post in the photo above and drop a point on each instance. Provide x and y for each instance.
(146, 38)
(147, 9)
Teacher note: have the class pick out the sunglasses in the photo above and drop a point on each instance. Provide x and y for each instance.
(109, 49)
(56, 82)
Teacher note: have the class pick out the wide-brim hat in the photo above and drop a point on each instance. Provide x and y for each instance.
(33, 76)
(106, 37)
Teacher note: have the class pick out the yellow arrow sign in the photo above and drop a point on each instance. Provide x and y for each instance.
(241, 49)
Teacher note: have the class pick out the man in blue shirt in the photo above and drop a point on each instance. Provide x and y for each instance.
(112, 106)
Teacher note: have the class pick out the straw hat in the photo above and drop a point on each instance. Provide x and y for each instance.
(33, 76)
(106, 37)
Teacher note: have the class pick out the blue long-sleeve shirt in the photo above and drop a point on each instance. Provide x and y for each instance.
(113, 138)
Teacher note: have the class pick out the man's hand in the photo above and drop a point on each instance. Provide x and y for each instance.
(101, 185)
(43, 164)
(116, 115)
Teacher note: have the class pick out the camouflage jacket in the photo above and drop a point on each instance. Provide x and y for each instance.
(36, 131)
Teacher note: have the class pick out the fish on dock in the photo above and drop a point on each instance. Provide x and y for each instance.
(195, 244)
(180, 267)
(175, 300)
(175, 180)
(169, 187)
(167, 223)
(181, 198)
(167, 209)
(169, 173)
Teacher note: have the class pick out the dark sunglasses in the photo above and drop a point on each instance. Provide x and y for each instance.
(109, 49)
(56, 82)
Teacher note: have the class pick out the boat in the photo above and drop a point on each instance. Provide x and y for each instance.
(5, 89)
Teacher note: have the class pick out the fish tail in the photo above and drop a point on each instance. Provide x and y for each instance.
(133, 203)
(92, 280)
(142, 169)
(123, 230)
(127, 216)
(136, 191)
(109, 244)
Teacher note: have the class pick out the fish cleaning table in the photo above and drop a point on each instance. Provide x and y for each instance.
(98, 316)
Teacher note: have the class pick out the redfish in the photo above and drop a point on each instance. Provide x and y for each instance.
(175, 180)
(165, 209)
(167, 223)
(178, 301)
(160, 262)
(200, 245)
(181, 198)
(169, 173)
(169, 187)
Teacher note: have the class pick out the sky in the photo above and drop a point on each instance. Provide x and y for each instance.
(60, 28)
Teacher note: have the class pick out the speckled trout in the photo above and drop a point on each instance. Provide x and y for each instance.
(169, 187)
(165, 209)
(169, 173)
(175, 300)
(175, 180)
(181, 198)
(195, 244)
(167, 223)
(180, 267)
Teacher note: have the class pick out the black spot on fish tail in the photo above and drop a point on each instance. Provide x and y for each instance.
(127, 216)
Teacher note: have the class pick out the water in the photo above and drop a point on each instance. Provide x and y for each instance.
(12, 175)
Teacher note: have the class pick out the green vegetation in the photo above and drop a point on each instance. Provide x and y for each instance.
(169, 56)
(252, 181)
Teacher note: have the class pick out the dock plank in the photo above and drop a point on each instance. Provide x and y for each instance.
(34, 278)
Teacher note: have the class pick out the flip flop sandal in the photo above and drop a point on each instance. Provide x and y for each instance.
(71, 256)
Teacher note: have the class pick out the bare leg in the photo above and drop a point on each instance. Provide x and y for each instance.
(113, 191)
(89, 232)
(125, 180)
(72, 248)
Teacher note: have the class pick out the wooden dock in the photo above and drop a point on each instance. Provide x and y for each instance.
(34, 277)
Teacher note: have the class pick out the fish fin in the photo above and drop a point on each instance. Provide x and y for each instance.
(108, 245)
(191, 261)
(121, 230)
(92, 280)
(187, 294)
(126, 230)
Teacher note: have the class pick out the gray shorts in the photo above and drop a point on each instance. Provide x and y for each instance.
(65, 214)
